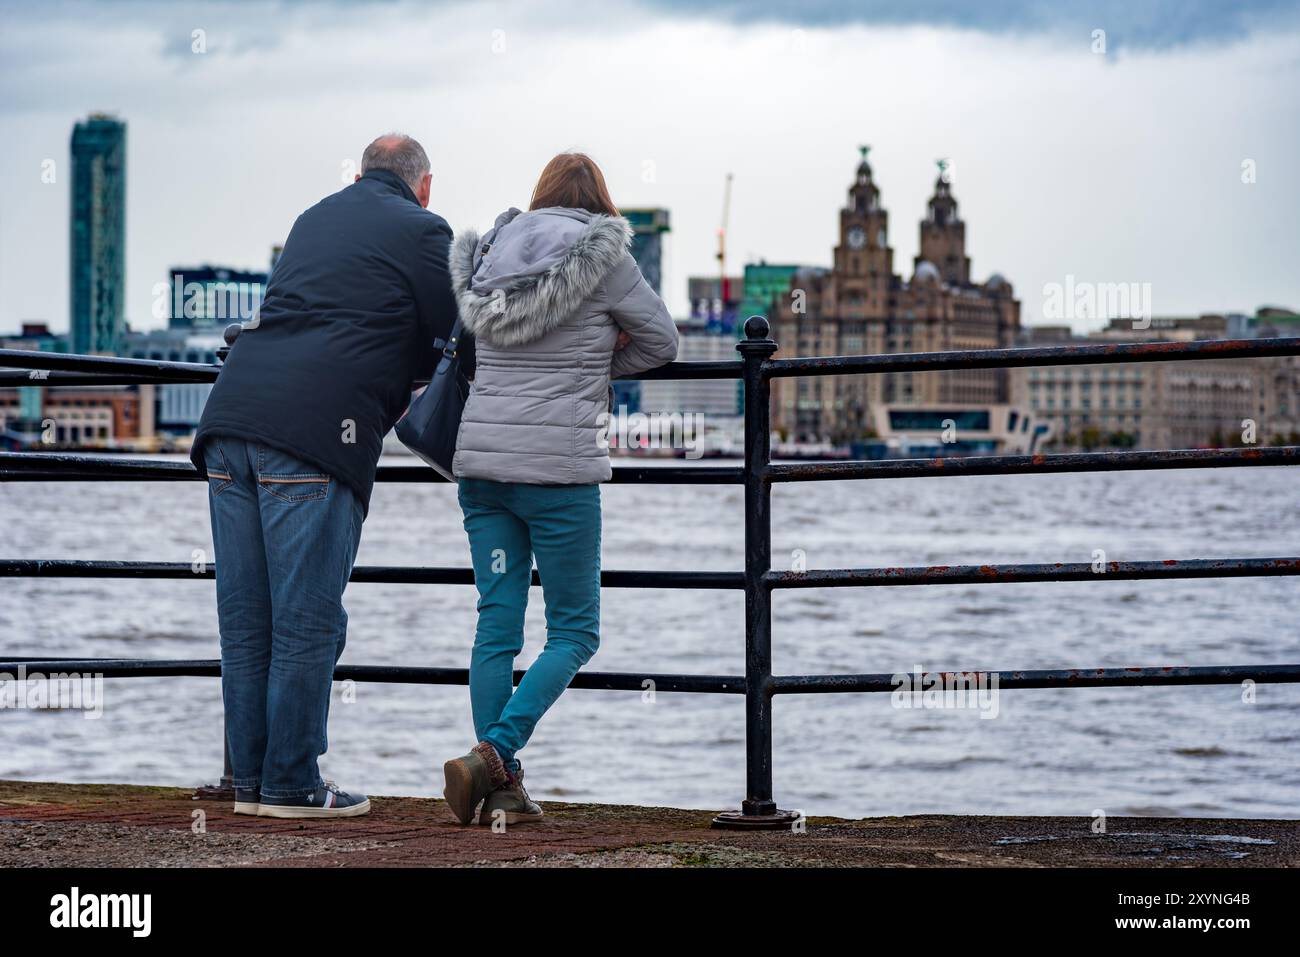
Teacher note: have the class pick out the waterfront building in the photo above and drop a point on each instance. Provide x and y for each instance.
(910, 431)
(97, 234)
(1167, 405)
(103, 417)
(861, 306)
(96, 417)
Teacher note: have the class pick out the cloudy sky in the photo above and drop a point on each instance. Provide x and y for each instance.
(1117, 166)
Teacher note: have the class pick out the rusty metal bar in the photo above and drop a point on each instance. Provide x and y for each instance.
(1049, 572)
(1051, 678)
(1035, 464)
(140, 369)
(1165, 569)
(72, 467)
(1075, 354)
(716, 684)
(758, 810)
(1028, 357)
(387, 574)
(113, 370)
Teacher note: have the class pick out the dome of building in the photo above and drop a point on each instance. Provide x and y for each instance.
(926, 271)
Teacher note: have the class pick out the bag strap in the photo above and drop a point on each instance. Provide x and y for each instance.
(448, 346)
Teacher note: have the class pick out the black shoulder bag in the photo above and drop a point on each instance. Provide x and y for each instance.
(429, 426)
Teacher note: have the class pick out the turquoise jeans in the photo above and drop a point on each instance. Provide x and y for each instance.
(509, 524)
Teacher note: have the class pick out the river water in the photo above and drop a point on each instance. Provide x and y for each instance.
(1171, 751)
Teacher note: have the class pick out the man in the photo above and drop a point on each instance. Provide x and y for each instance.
(289, 442)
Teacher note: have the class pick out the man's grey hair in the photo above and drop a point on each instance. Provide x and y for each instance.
(400, 154)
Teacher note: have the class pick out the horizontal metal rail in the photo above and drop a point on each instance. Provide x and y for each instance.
(1167, 569)
(371, 574)
(1026, 357)
(1031, 356)
(75, 467)
(1052, 572)
(116, 371)
(141, 369)
(112, 370)
(1052, 678)
(715, 684)
(1041, 464)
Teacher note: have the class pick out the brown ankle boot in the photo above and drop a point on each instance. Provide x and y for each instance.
(510, 803)
(471, 778)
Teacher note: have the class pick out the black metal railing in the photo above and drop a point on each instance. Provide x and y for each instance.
(756, 368)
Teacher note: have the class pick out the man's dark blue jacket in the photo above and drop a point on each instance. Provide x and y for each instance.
(350, 314)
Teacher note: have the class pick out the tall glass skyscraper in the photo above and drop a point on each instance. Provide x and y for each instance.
(98, 234)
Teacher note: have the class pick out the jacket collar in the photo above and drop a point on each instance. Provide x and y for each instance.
(391, 180)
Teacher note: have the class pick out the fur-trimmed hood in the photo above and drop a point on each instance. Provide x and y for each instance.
(533, 270)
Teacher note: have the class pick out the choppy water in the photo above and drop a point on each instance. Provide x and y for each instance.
(1183, 751)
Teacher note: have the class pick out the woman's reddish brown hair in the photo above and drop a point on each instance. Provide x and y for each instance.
(573, 180)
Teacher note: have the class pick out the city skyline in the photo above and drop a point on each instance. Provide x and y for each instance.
(1121, 166)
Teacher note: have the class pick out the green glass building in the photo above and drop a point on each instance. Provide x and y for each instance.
(97, 233)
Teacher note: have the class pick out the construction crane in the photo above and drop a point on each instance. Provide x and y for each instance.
(723, 286)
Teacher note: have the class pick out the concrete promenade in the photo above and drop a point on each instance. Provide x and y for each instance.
(89, 825)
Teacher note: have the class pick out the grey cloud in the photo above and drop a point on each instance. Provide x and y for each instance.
(1152, 24)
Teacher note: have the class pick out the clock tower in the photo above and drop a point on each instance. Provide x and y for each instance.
(864, 262)
(943, 234)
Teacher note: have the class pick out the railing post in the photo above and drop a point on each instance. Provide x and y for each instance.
(225, 789)
(758, 810)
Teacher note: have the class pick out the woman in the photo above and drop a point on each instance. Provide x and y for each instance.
(556, 305)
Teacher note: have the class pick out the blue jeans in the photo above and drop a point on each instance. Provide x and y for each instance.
(286, 535)
(508, 525)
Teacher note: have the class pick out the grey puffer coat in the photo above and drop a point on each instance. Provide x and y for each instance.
(545, 294)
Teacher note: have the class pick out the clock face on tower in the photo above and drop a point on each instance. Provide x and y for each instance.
(857, 237)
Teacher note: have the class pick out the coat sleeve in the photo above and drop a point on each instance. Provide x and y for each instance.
(639, 312)
(435, 303)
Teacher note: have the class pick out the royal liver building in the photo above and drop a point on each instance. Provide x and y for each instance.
(861, 305)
